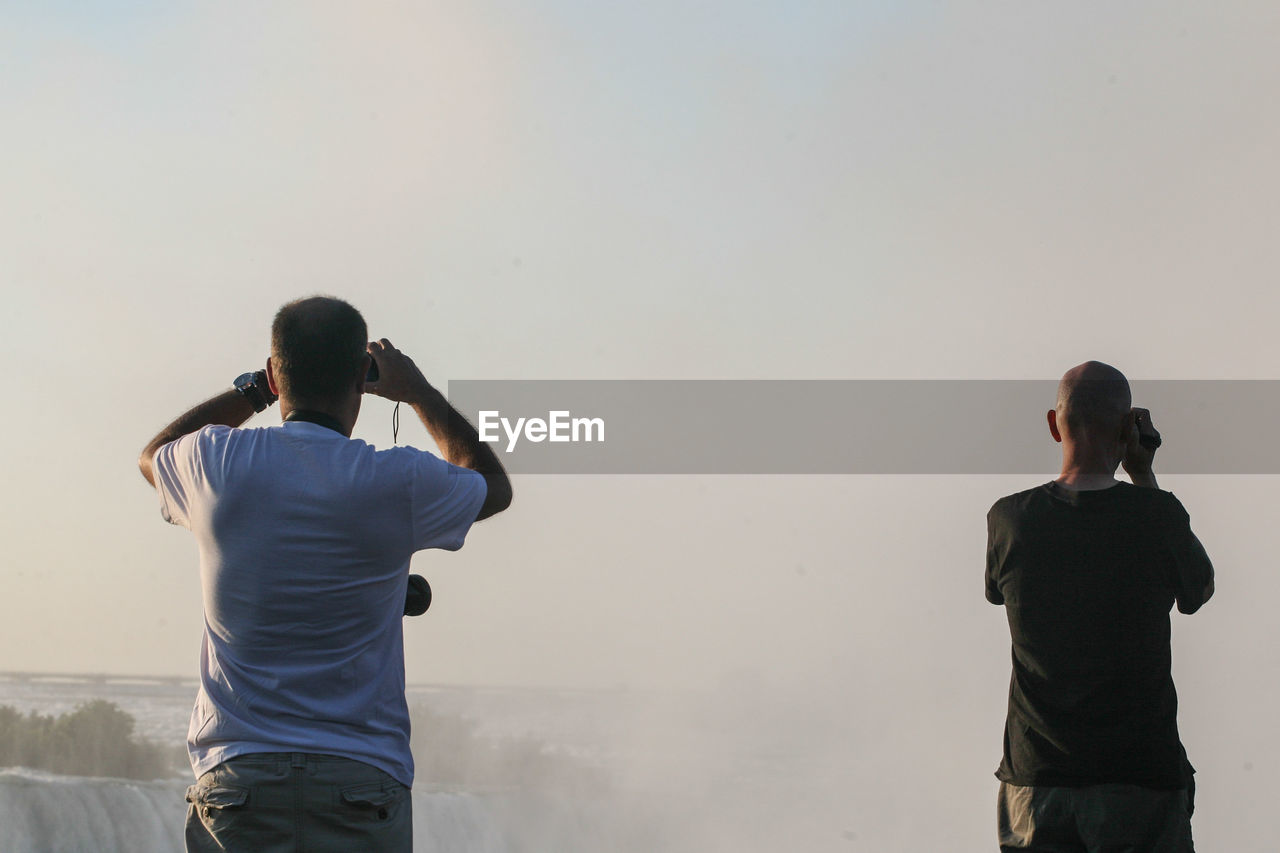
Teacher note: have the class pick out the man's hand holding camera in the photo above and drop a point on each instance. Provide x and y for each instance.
(1140, 451)
(398, 378)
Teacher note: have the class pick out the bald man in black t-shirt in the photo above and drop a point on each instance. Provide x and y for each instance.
(1088, 569)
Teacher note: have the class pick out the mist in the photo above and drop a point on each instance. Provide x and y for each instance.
(828, 682)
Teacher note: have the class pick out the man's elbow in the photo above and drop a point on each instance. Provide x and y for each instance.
(145, 464)
(1187, 607)
(497, 497)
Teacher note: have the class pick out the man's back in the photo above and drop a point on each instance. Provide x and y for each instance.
(1088, 579)
(300, 734)
(1088, 568)
(305, 538)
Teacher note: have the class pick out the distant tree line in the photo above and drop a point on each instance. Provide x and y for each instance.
(96, 739)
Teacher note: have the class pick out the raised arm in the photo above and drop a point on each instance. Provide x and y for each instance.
(400, 379)
(1193, 570)
(230, 408)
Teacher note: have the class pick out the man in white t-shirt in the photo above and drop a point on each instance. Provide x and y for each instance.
(300, 734)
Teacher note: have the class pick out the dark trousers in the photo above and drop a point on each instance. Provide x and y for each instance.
(281, 802)
(1096, 819)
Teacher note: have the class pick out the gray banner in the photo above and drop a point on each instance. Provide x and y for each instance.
(845, 426)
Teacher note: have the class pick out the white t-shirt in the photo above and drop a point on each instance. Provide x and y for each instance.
(305, 537)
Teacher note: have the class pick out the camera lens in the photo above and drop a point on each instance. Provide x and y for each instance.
(418, 597)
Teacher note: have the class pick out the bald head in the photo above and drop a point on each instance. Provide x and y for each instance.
(1093, 400)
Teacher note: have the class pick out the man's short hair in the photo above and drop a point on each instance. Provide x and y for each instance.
(1094, 397)
(318, 346)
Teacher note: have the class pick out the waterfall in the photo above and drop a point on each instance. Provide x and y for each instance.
(47, 813)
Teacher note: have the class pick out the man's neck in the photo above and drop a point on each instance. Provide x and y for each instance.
(341, 418)
(1080, 482)
(1087, 469)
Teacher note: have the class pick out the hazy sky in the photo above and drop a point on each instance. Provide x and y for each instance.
(560, 189)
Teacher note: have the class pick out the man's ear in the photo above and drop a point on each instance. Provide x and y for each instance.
(1127, 428)
(1053, 426)
(364, 373)
(271, 379)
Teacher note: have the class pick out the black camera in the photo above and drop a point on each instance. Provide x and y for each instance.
(418, 597)
(1148, 436)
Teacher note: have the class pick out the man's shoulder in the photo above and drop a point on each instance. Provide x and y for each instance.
(1124, 498)
(227, 442)
(1153, 500)
(404, 456)
(1018, 501)
(192, 444)
(421, 467)
(1165, 504)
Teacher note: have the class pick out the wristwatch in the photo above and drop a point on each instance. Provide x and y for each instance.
(254, 388)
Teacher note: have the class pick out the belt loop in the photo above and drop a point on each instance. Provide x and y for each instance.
(299, 760)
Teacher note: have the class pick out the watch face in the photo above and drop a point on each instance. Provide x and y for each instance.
(244, 380)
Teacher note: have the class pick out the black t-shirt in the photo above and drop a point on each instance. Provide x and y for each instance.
(1087, 579)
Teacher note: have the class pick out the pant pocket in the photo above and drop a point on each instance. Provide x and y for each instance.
(216, 808)
(375, 802)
